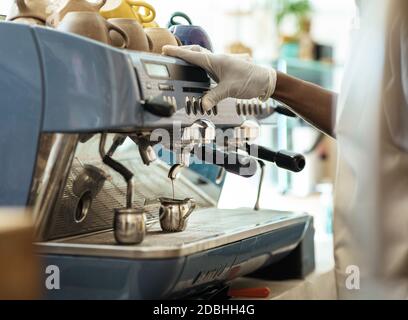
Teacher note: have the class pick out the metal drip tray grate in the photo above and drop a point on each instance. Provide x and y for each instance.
(207, 228)
(151, 182)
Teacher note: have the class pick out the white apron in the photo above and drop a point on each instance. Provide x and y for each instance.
(371, 201)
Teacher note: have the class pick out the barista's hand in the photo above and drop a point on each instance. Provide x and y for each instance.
(236, 77)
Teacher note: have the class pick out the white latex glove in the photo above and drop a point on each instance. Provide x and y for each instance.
(236, 77)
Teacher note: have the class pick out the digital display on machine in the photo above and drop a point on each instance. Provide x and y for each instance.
(172, 71)
(157, 70)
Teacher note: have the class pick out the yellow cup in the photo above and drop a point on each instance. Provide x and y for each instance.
(129, 9)
(151, 24)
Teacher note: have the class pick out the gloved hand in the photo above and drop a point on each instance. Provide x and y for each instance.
(236, 78)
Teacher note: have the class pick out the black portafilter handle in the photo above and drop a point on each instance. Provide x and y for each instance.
(288, 160)
(242, 165)
(285, 111)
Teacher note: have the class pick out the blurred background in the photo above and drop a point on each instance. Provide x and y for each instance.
(305, 38)
(308, 39)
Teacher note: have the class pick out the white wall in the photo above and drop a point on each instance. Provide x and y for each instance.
(4, 5)
(330, 22)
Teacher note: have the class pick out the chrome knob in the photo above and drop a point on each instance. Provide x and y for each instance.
(248, 131)
(200, 132)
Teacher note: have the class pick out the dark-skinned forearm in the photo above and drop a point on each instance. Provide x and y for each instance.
(311, 102)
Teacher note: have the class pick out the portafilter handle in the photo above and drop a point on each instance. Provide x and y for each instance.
(242, 165)
(285, 111)
(284, 159)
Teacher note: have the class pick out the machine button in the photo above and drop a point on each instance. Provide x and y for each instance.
(268, 107)
(174, 102)
(244, 110)
(195, 106)
(256, 106)
(166, 87)
(188, 105)
(200, 106)
(259, 107)
(149, 86)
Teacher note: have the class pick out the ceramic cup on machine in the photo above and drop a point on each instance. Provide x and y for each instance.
(189, 34)
(161, 37)
(93, 26)
(29, 21)
(28, 11)
(192, 35)
(138, 39)
(174, 19)
(65, 6)
(130, 9)
(151, 24)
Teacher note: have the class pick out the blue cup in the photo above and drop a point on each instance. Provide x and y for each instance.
(188, 33)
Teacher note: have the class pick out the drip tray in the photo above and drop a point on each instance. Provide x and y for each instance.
(206, 229)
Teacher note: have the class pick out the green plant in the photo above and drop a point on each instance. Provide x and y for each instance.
(300, 9)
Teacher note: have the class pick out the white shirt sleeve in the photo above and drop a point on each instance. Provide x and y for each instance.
(395, 96)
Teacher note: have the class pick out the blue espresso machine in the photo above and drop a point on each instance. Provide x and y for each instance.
(60, 94)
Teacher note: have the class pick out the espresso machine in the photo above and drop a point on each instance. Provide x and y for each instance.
(87, 130)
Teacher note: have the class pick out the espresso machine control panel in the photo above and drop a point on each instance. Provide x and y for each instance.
(178, 87)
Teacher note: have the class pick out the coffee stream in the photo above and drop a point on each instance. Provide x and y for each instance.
(172, 186)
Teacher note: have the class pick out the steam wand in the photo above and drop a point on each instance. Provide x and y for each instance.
(118, 167)
(261, 178)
